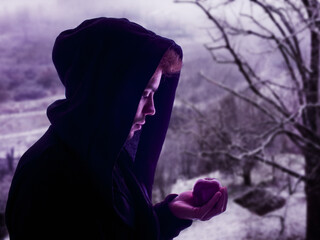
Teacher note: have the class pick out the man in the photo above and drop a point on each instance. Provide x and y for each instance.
(90, 176)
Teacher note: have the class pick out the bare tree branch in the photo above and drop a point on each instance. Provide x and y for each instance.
(192, 106)
(260, 159)
(294, 47)
(253, 103)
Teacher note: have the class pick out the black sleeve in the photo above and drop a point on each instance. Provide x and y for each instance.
(170, 225)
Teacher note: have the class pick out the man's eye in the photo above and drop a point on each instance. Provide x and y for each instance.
(145, 95)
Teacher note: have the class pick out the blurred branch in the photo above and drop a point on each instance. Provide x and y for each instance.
(285, 35)
(183, 1)
(261, 159)
(282, 223)
(255, 153)
(202, 120)
(271, 83)
(219, 60)
(214, 48)
(238, 31)
(294, 45)
(192, 106)
(298, 10)
(270, 11)
(233, 92)
(288, 48)
(281, 45)
(243, 66)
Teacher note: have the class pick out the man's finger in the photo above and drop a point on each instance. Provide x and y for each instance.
(203, 210)
(219, 208)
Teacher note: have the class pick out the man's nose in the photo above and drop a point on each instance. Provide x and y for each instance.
(149, 108)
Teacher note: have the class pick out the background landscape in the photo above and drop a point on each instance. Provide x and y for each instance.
(218, 118)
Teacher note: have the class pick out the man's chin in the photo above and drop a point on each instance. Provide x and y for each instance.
(130, 135)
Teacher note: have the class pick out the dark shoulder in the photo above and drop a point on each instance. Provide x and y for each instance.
(48, 162)
(46, 150)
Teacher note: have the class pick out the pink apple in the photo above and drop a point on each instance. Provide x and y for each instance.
(204, 189)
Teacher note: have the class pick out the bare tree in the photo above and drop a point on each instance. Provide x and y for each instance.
(204, 134)
(286, 35)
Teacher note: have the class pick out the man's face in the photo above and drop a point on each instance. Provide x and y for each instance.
(146, 104)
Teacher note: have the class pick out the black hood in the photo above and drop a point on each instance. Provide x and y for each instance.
(105, 65)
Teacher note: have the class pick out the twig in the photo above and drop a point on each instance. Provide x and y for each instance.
(255, 104)
(263, 160)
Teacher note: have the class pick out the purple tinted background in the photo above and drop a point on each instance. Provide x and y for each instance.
(29, 83)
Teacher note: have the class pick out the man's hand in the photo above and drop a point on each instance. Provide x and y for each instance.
(183, 206)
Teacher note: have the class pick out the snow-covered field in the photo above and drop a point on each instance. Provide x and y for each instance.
(22, 123)
(237, 223)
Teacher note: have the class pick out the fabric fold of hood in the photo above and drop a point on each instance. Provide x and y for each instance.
(105, 65)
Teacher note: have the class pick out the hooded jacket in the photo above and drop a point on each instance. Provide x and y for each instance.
(82, 179)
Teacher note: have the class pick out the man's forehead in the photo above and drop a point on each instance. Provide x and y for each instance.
(154, 82)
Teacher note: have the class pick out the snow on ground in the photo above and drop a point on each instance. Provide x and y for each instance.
(237, 223)
(23, 123)
(14, 107)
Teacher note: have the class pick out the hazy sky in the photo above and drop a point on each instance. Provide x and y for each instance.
(45, 19)
(155, 8)
(68, 13)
